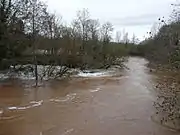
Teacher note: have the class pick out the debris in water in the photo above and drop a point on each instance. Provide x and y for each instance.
(68, 131)
(96, 90)
(68, 97)
(34, 104)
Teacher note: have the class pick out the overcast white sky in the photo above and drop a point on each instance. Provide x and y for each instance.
(135, 16)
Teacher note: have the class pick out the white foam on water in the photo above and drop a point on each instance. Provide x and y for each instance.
(1, 112)
(96, 90)
(68, 131)
(97, 74)
(21, 76)
(67, 98)
(33, 104)
(36, 104)
(25, 75)
(3, 76)
(41, 70)
(12, 108)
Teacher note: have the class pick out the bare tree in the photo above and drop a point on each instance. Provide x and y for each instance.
(118, 36)
(125, 38)
(35, 12)
(94, 29)
(175, 16)
(106, 31)
(134, 39)
(82, 24)
(154, 29)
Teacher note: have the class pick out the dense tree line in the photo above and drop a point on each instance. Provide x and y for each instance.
(162, 46)
(29, 34)
(162, 49)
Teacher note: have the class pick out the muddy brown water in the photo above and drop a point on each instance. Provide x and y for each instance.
(116, 105)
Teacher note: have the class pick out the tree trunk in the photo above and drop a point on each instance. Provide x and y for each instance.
(34, 47)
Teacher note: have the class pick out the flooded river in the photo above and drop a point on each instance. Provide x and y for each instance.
(107, 105)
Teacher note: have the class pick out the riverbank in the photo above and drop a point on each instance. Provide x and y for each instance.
(168, 95)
